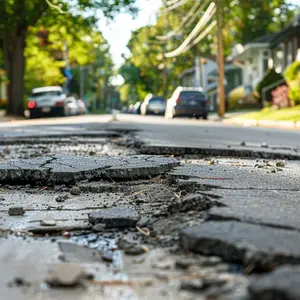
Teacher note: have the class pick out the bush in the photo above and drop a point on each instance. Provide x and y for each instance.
(270, 77)
(292, 76)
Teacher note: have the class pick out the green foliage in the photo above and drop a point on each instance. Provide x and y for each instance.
(241, 18)
(292, 76)
(270, 77)
(68, 21)
(240, 26)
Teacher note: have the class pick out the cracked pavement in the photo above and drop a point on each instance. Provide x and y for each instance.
(211, 212)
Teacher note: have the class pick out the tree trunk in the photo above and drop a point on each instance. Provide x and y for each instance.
(14, 59)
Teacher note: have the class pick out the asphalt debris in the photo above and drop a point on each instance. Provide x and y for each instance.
(48, 223)
(262, 247)
(66, 275)
(16, 211)
(115, 217)
(283, 283)
(75, 191)
(62, 198)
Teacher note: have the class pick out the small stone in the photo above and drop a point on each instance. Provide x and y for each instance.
(192, 285)
(163, 265)
(107, 256)
(47, 222)
(115, 217)
(99, 227)
(16, 211)
(135, 249)
(66, 275)
(264, 145)
(280, 164)
(75, 191)
(211, 261)
(212, 162)
(154, 233)
(67, 234)
(184, 264)
(62, 198)
(190, 202)
(143, 222)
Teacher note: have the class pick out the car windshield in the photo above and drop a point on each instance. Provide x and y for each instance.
(190, 95)
(47, 93)
(157, 100)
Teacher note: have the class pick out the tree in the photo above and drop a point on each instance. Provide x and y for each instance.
(241, 25)
(18, 16)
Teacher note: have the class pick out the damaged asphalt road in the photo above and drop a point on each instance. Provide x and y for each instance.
(85, 214)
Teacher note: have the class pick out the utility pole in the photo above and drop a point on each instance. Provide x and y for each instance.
(220, 58)
(81, 84)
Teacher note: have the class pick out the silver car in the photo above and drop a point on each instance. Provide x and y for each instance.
(51, 100)
(154, 105)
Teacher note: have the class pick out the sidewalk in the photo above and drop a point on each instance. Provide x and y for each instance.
(262, 123)
(4, 118)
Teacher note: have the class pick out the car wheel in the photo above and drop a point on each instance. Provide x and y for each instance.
(205, 117)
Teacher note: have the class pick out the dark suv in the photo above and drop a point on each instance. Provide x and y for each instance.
(187, 102)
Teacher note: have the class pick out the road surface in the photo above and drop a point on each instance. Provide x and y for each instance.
(78, 196)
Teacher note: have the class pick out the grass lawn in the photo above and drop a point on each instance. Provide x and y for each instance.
(285, 114)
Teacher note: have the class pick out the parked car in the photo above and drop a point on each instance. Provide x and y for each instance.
(153, 105)
(50, 100)
(81, 107)
(137, 108)
(188, 102)
(71, 106)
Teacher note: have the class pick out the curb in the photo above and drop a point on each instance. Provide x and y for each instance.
(242, 152)
(263, 123)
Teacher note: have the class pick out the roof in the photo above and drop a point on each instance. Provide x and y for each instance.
(292, 30)
(47, 89)
(263, 39)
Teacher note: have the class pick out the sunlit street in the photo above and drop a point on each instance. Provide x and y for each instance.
(150, 150)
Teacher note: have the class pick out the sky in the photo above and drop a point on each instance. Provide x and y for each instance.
(118, 32)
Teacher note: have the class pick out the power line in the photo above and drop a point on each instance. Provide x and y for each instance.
(201, 36)
(176, 5)
(206, 17)
(190, 18)
(172, 2)
(193, 16)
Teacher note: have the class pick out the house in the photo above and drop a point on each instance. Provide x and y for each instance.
(285, 46)
(253, 58)
(206, 76)
(276, 50)
(198, 76)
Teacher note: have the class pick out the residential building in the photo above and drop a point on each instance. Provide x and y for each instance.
(276, 50)
(206, 76)
(285, 46)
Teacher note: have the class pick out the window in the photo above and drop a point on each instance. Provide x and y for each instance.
(265, 61)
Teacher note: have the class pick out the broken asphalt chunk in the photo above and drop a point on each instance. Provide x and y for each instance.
(48, 223)
(16, 211)
(70, 169)
(283, 283)
(115, 217)
(261, 246)
(191, 202)
(62, 198)
(75, 191)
